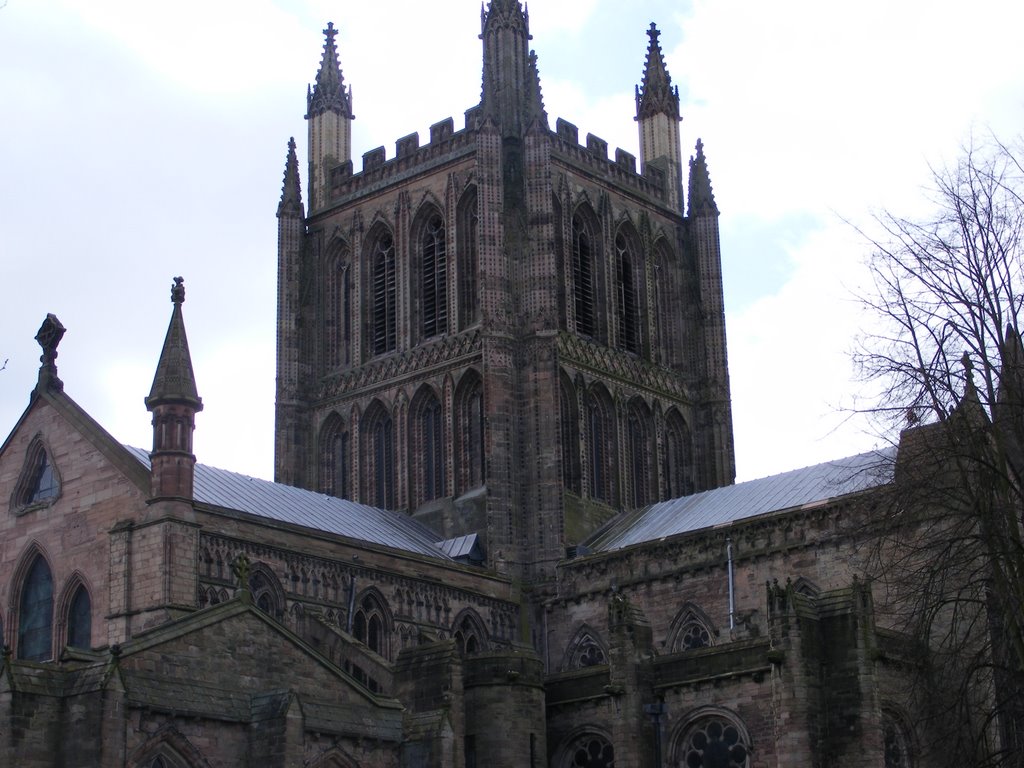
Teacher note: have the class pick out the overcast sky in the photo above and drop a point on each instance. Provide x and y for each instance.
(140, 141)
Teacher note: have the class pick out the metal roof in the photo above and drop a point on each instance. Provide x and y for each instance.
(297, 506)
(721, 506)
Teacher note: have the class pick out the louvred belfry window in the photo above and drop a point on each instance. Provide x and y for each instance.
(626, 297)
(434, 289)
(583, 277)
(384, 310)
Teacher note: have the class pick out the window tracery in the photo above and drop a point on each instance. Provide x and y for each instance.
(714, 742)
(626, 299)
(601, 445)
(379, 454)
(369, 625)
(640, 432)
(570, 439)
(335, 458)
(434, 278)
(468, 264)
(383, 293)
(470, 432)
(583, 253)
(428, 448)
(591, 750)
(677, 460)
(895, 742)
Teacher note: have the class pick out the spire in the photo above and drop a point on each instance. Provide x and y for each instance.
(328, 94)
(174, 381)
(701, 198)
(291, 190)
(656, 94)
(1011, 373)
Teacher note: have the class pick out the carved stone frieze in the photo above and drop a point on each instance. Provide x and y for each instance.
(637, 373)
(429, 358)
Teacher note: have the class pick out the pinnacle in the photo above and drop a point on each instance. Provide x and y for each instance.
(174, 380)
(291, 191)
(535, 99)
(656, 95)
(328, 94)
(701, 197)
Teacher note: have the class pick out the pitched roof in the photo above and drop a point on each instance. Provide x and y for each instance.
(296, 506)
(810, 486)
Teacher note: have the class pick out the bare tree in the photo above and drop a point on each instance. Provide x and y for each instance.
(947, 356)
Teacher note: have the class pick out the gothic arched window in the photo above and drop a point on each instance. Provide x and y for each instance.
(337, 308)
(379, 457)
(336, 458)
(428, 446)
(714, 742)
(626, 298)
(469, 404)
(469, 264)
(434, 278)
(80, 619)
(639, 434)
(570, 435)
(601, 445)
(369, 625)
(469, 634)
(677, 465)
(590, 750)
(384, 298)
(585, 650)
(895, 741)
(690, 630)
(39, 483)
(35, 616)
(583, 277)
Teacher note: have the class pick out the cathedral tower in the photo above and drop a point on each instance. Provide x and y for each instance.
(505, 332)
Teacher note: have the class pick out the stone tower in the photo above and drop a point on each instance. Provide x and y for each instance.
(503, 332)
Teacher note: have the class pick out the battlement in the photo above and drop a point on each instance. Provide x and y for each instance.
(410, 158)
(593, 158)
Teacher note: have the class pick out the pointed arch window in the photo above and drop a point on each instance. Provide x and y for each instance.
(639, 447)
(428, 458)
(379, 452)
(337, 310)
(468, 264)
(434, 278)
(35, 615)
(336, 458)
(601, 445)
(714, 742)
(383, 294)
(39, 484)
(80, 619)
(626, 296)
(470, 432)
(676, 457)
(570, 437)
(583, 276)
(369, 625)
(590, 750)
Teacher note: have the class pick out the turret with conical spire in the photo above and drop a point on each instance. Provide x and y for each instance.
(174, 402)
(657, 112)
(329, 112)
(511, 88)
(291, 231)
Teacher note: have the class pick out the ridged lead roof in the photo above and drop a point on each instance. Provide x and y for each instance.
(286, 504)
(721, 506)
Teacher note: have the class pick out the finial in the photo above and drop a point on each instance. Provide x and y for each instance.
(968, 365)
(49, 336)
(240, 567)
(178, 291)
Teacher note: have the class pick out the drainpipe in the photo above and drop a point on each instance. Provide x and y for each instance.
(732, 585)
